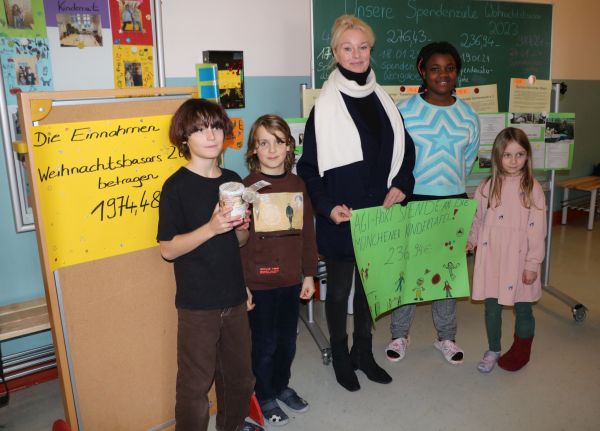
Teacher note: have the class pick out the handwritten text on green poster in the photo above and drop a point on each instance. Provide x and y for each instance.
(413, 253)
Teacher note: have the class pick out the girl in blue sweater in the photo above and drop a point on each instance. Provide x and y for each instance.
(445, 131)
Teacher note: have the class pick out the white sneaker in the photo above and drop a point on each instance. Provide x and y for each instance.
(396, 350)
(449, 348)
(488, 361)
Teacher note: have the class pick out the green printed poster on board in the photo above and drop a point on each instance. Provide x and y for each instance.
(23, 19)
(413, 253)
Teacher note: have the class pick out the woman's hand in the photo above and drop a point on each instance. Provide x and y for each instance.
(308, 288)
(340, 214)
(394, 196)
(529, 276)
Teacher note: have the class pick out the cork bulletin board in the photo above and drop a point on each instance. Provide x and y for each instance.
(113, 318)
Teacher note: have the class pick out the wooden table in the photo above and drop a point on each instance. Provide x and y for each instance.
(589, 184)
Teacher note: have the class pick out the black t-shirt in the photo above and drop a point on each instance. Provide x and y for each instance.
(210, 276)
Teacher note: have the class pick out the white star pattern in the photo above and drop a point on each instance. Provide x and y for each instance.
(446, 141)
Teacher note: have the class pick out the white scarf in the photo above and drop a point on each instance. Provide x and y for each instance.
(338, 141)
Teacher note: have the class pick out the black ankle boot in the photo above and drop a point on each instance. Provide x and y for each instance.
(342, 365)
(362, 359)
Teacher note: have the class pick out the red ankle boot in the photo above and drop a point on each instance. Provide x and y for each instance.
(517, 356)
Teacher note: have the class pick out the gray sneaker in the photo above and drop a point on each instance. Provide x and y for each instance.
(273, 414)
(293, 401)
(250, 426)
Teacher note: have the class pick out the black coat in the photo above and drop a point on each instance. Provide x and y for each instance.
(361, 184)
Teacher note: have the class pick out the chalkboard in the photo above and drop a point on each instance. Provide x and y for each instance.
(496, 40)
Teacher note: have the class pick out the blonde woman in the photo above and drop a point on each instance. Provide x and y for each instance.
(356, 154)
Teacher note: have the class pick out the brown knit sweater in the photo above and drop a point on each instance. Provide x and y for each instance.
(282, 246)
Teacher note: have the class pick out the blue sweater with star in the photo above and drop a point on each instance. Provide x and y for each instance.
(446, 141)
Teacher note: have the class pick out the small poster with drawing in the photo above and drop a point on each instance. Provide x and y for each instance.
(25, 66)
(131, 22)
(413, 253)
(133, 66)
(278, 212)
(22, 18)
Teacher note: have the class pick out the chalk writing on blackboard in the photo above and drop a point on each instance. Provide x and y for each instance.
(497, 40)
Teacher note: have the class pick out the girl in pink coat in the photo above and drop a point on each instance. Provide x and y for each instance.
(509, 232)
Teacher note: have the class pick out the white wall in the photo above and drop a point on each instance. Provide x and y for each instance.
(274, 34)
(81, 69)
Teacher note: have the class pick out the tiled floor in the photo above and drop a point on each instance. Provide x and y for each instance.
(558, 390)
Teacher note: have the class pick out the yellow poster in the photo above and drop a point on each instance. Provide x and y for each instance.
(236, 139)
(400, 93)
(482, 98)
(133, 66)
(529, 95)
(99, 184)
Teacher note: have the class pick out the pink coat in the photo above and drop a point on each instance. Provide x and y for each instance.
(510, 239)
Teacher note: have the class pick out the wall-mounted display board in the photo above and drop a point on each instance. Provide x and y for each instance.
(496, 40)
(97, 160)
(552, 138)
(67, 45)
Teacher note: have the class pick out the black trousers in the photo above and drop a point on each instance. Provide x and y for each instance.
(339, 284)
(274, 325)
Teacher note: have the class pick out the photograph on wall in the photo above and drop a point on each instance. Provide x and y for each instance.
(560, 127)
(18, 13)
(25, 66)
(79, 30)
(532, 123)
(26, 70)
(133, 74)
(559, 140)
(131, 22)
(484, 157)
(22, 18)
(133, 66)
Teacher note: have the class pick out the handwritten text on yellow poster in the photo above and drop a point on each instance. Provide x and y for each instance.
(99, 184)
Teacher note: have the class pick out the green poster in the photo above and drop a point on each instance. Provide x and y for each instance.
(413, 253)
(559, 140)
(22, 19)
